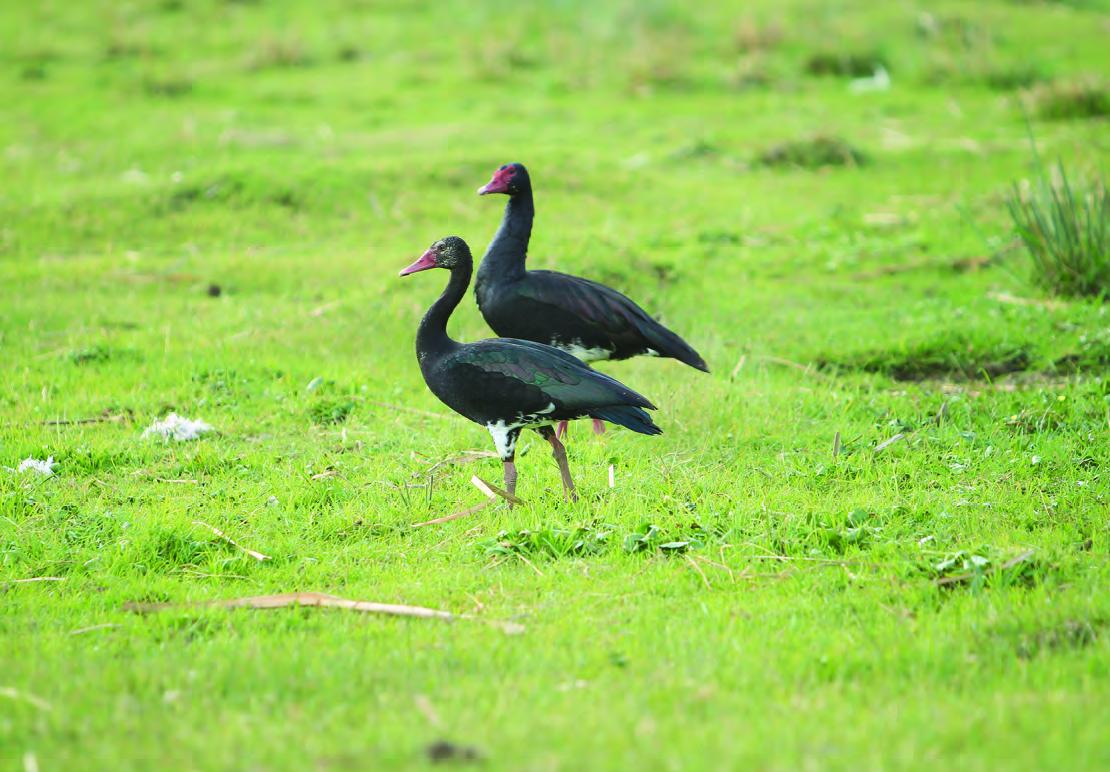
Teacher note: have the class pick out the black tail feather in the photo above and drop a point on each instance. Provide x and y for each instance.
(671, 345)
(627, 416)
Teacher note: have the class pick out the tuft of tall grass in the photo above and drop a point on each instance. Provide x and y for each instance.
(1076, 100)
(1066, 231)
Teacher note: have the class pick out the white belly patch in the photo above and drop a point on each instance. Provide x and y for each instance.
(505, 433)
(578, 351)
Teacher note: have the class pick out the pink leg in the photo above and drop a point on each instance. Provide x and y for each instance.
(510, 479)
(560, 454)
(561, 429)
(599, 426)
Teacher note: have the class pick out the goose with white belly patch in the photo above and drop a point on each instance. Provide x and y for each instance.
(508, 385)
(584, 318)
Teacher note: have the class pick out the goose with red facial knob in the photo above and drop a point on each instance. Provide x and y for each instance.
(508, 385)
(579, 316)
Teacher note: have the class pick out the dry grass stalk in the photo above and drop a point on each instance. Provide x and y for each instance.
(455, 515)
(91, 628)
(887, 443)
(491, 491)
(739, 366)
(1006, 297)
(460, 459)
(15, 694)
(253, 553)
(529, 563)
(697, 569)
(323, 600)
(36, 579)
(424, 705)
(284, 600)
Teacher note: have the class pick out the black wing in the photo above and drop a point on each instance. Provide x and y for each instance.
(556, 375)
(627, 328)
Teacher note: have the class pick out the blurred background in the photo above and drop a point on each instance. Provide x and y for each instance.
(291, 157)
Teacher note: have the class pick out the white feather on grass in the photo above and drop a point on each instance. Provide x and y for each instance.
(879, 81)
(178, 428)
(45, 468)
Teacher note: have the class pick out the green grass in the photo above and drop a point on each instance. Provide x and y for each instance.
(1065, 230)
(205, 205)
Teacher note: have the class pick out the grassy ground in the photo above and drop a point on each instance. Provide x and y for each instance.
(297, 156)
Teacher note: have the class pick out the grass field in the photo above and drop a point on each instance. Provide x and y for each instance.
(204, 209)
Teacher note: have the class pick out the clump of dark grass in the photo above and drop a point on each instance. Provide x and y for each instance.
(232, 190)
(348, 52)
(34, 64)
(593, 539)
(963, 51)
(696, 149)
(947, 357)
(1091, 353)
(550, 542)
(1072, 100)
(846, 64)
(33, 71)
(330, 411)
(974, 70)
(1015, 76)
(856, 530)
(125, 48)
(99, 353)
(976, 570)
(91, 354)
(813, 153)
(1069, 635)
(651, 538)
(170, 86)
(1066, 232)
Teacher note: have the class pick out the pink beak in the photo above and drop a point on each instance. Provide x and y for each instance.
(499, 183)
(423, 263)
(493, 186)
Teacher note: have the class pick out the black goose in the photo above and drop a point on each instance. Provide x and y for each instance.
(579, 316)
(508, 385)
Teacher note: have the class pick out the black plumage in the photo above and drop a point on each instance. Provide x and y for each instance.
(508, 385)
(580, 316)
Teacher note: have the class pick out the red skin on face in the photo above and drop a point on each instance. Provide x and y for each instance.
(500, 181)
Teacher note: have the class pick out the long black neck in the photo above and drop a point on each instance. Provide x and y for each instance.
(505, 257)
(432, 339)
